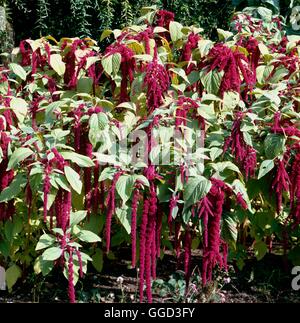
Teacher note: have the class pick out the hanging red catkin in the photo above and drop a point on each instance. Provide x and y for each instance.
(96, 190)
(63, 199)
(177, 239)
(127, 67)
(190, 45)
(295, 191)
(6, 176)
(46, 187)
(211, 251)
(71, 289)
(223, 58)
(143, 247)
(145, 37)
(281, 182)
(110, 202)
(187, 256)
(240, 201)
(150, 240)
(205, 211)
(87, 175)
(163, 18)
(29, 198)
(70, 76)
(135, 200)
(78, 253)
(244, 154)
(158, 230)
(153, 249)
(157, 82)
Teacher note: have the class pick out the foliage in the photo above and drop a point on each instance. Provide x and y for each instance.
(163, 134)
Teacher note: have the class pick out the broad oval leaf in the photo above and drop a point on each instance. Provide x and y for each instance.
(57, 64)
(17, 156)
(195, 189)
(52, 253)
(265, 167)
(80, 160)
(73, 179)
(88, 236)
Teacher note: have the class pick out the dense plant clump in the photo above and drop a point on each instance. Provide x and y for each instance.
(163, 140)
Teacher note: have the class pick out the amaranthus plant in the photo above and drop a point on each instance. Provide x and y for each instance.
(164, 140)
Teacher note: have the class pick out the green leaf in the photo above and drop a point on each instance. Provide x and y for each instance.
(45, 241)
(62, 182)
(124, 187)
(274, 145)
(124, 215)
(52, 253)
(215, 152)
(239, 187)
(73, 178)
(105, 34)
(98, 260)
(230, 229)
(111, 64)
(12, 274)
(230, 100)
(88, 236)
(260, 249)
(107, 173)
(42, 266)
(18, 70)
(14, 188)
(195, 189)
(85, 85)
(77, 217)
(20, 108)
(265, 167)
(175, 31)
(57, 64)
(80, 160)
(222, 166)
(17, 156)
(181, 73)
(204, 46)
(211, 81)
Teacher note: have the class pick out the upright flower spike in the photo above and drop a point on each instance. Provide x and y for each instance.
(157, 82)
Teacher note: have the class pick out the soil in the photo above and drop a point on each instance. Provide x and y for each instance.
(265, 281)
